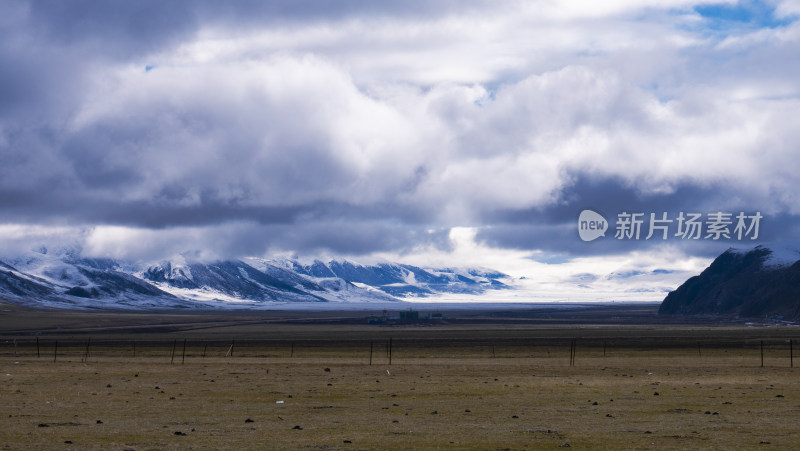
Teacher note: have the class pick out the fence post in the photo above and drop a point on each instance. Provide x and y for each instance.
(570, 352)
(572, 349)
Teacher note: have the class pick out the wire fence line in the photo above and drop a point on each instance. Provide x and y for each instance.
(770, 352)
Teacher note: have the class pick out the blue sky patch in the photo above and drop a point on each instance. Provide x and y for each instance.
(744, 14)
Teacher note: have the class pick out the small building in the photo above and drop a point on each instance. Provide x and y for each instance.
(409, 316)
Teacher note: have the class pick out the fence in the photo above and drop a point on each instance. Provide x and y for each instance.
(763, 352)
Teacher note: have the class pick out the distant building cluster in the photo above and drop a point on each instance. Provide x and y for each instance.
(404, 317)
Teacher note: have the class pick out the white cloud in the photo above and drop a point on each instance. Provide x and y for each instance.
(634, 275)
(20, 239)
(368, 128)
(502, 41)
(787, 9)
(247, 119)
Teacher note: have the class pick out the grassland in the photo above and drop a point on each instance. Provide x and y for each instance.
(451, 386)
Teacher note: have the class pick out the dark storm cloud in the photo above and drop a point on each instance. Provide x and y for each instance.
(124, 28)
(318, 239)
(359, 127)
(117, 28)
(26, 206)
(39, 83)
(343, 237)
(49, 46)
(554, 228)
(614, 195)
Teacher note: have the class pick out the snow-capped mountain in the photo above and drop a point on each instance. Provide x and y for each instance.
(406, 280)
(749, 283)
(67, 280)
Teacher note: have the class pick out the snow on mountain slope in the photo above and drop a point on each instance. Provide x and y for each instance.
(65, 269)
(234, 279)
(52, 268)
(280, 272)
(776, 255)
(333, 289)
(406, 280)
(782, 256)
(65, 279)
(759, 282)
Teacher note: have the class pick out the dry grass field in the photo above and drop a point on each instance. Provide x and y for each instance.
(312, 387)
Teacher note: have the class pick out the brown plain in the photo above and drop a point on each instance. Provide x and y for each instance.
(449, 386)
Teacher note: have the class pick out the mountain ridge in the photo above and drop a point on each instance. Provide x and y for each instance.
(752, 283)
(67, 280)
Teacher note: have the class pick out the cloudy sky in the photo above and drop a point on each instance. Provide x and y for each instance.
(444, 132)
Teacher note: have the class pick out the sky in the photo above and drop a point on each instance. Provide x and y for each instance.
(429, 132)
